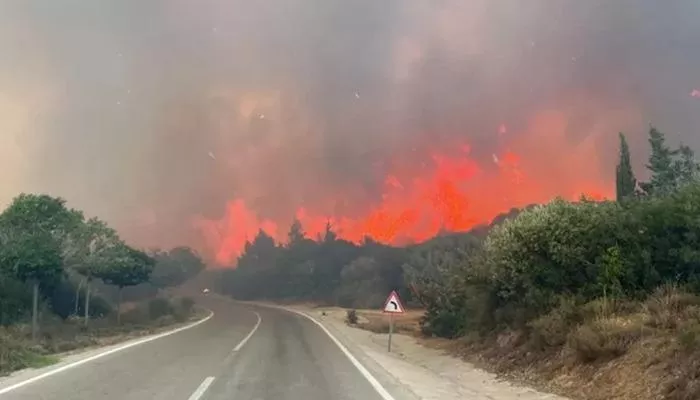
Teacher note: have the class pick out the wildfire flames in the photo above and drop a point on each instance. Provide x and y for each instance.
(433, 190)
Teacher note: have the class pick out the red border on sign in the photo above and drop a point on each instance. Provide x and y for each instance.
(398, 299)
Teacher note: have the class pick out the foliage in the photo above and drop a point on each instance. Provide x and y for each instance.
(572, 253)
(90, 247)
(62, 301)
(159, 307)
(670, 169)
(15, 299)
(663, 175)
(326, 270)
(174, 267)
(126, 267)
(603, 339)
(44, 242)
(32, 231)
(626, 183)
(47, 246)
(15, 354)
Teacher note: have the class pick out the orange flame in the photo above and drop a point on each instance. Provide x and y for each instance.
(448, 191)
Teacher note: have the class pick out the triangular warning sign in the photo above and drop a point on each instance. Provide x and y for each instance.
(393, 304)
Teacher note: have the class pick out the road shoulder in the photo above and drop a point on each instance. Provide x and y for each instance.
(415, 371)
(79, 357)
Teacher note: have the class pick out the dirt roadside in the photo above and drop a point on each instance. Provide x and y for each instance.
(428, 373)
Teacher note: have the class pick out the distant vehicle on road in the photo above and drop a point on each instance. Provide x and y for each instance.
(205, 291)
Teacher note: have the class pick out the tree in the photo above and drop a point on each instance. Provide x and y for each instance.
(626, 182)
(661, 165)
(296, 234)
(34, 228)
(91, 246)
(32, 257)
(686, 168)
(15, 298)
(176, 266)
(329, 235)
(126, 266)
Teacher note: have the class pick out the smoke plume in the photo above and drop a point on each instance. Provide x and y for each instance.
(183, 122)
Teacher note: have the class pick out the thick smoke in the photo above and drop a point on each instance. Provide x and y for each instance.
(154, 115)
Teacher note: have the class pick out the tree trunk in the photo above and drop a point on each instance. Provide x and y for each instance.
(77, 296)
(119, 306)
(35, 310)
(87, 301)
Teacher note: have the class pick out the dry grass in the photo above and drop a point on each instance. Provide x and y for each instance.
(599, 351)
(59, 337)
(378, 322)
(604, 339)
(604, 350)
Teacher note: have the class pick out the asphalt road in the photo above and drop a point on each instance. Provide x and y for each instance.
(243, 352)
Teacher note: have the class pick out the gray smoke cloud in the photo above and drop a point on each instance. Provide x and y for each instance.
(152, 113)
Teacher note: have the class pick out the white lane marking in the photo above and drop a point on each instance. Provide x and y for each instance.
(245, 339)
(100, 355)
(202, 388)
(383, 393)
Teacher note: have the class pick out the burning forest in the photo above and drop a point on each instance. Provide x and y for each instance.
(201, 124)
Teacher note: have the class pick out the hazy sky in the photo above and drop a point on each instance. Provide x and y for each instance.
(152, 113)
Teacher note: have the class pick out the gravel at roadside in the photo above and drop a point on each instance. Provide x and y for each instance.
(427, 373)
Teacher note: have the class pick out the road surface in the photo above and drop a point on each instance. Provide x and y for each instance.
(243, 352)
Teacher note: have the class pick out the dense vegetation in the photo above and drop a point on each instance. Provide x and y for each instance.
(57, 267)
(327, 270)
(556, 276)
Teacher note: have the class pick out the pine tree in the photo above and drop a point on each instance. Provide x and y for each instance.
(686, 168)
(296, 234)
(626, 182)
(664, 176)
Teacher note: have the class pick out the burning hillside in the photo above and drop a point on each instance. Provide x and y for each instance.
(198, 123)
(433, 188)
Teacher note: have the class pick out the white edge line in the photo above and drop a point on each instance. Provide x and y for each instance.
(100, 355)
(370, 378)
(250, 334)
(202, 388)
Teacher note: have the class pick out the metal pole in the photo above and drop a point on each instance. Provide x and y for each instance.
(391, 329)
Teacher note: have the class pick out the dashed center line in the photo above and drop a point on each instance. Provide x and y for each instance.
(202, 388)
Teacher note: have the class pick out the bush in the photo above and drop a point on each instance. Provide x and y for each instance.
(351, 317)
(62, 301)
(669, 307)
(138, 315)
(159, 307)
(182, 308)
(553, 249)
(604, 339)
(15, 300)
(17, 354)
(187, 304)
(552, 330)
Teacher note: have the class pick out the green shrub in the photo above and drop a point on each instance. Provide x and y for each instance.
(187, 304)
(166, 320)
(15, 300)
(138, 315)
(16, 354)
(182, 308)
(159, 307)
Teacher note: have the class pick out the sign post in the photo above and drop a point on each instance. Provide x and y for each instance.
(392, 306)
